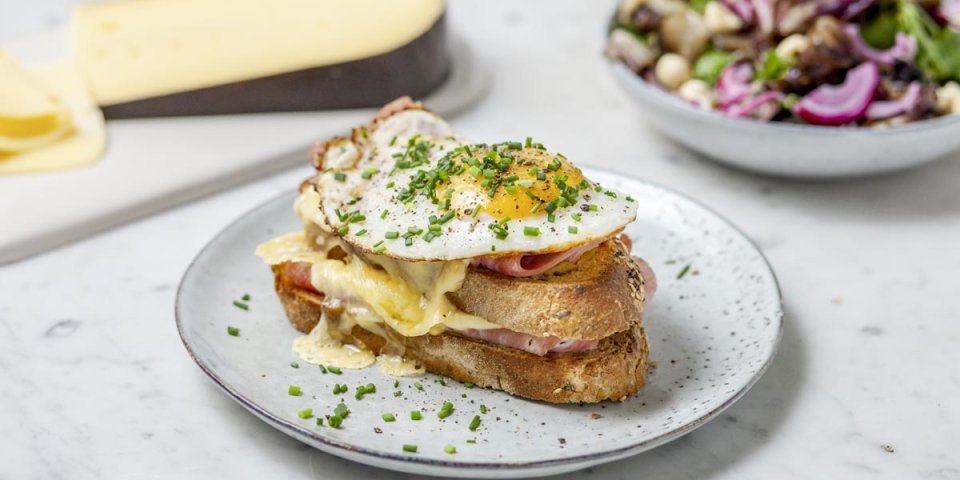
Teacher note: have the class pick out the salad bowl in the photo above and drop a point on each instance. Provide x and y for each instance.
(792, 150)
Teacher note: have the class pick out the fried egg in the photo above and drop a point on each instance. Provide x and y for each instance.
(411, 189)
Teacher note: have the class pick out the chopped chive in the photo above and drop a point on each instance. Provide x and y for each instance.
(446, 410)
(368, 172)
(391, 235)
(361, 232)
(450, 449)
(476, 211)
(483, 408)
(541, 176)
(322, 368)
(344, 230)
(474, 423)
(410, 448)
(471, 441)
(319, 421)
(388, 417)
(442, 380)
(294, 391)
(393, 141)
(683, 272)
(435, 228)
(334, 370)
(233, 331)
(475, 171)
(396, 383)
(340, 388)
(335, 421)
(416, 415)
(630, 199)
(468, 385)
(528, 142)
(536, 208)
(551, 218)
(391, 184)
(397, 393)
(241, 305)
(305, 414)
(245, 297)
(341, 410)
(575, 217)
(418, 386)
(408, 241)
(447, 216)
(531, 231)
(340, 176)
(294, 365)
(593, 208)
(365, 389)
(572, 229)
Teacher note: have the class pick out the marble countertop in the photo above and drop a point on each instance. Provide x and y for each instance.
(95, 383)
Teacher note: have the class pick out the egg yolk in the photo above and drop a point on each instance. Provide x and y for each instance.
(522, 190)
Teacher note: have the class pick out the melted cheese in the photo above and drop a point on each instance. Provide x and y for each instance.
(410, 297)
(397, 366)
(321, 347)
(373, 292)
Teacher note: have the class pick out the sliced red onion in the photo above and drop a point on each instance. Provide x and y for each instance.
(881, 109)
(904, 47)
(764, 11)
(762, 107)
(733, 85)
(855, 8)
(743, 9)
(844, 103)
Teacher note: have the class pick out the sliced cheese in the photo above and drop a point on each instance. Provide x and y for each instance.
(31, 116)
(140, 49)
(83, 141)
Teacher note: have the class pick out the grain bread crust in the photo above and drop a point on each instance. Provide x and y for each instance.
(615, 369)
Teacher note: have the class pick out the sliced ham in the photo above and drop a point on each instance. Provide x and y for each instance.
(533, 265)
(529, 343)
(299, 274)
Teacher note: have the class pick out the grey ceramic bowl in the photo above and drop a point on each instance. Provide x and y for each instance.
(789, 150)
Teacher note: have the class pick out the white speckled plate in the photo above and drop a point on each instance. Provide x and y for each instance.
(712, 333)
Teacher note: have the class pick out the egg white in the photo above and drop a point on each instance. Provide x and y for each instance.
(345, 190)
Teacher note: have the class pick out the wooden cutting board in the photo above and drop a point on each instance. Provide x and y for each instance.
(153, 164)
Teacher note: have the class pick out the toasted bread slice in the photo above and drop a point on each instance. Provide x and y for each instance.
(599, 296)
(615, 369)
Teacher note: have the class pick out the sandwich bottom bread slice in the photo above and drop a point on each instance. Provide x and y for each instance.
(554, 321)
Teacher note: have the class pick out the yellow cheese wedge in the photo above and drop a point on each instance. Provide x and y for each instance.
(133, 50)
(82, 144)
(30, 115)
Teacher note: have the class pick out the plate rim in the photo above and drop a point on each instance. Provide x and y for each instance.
(297, 431)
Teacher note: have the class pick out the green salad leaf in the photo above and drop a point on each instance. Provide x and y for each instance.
(699, 6)
(939, 48)
(881, 31)
(774, 67)
(709, 64)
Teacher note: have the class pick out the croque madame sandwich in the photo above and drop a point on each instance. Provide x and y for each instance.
(498, 265)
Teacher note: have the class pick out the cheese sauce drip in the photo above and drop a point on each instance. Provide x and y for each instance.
(373, 291)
